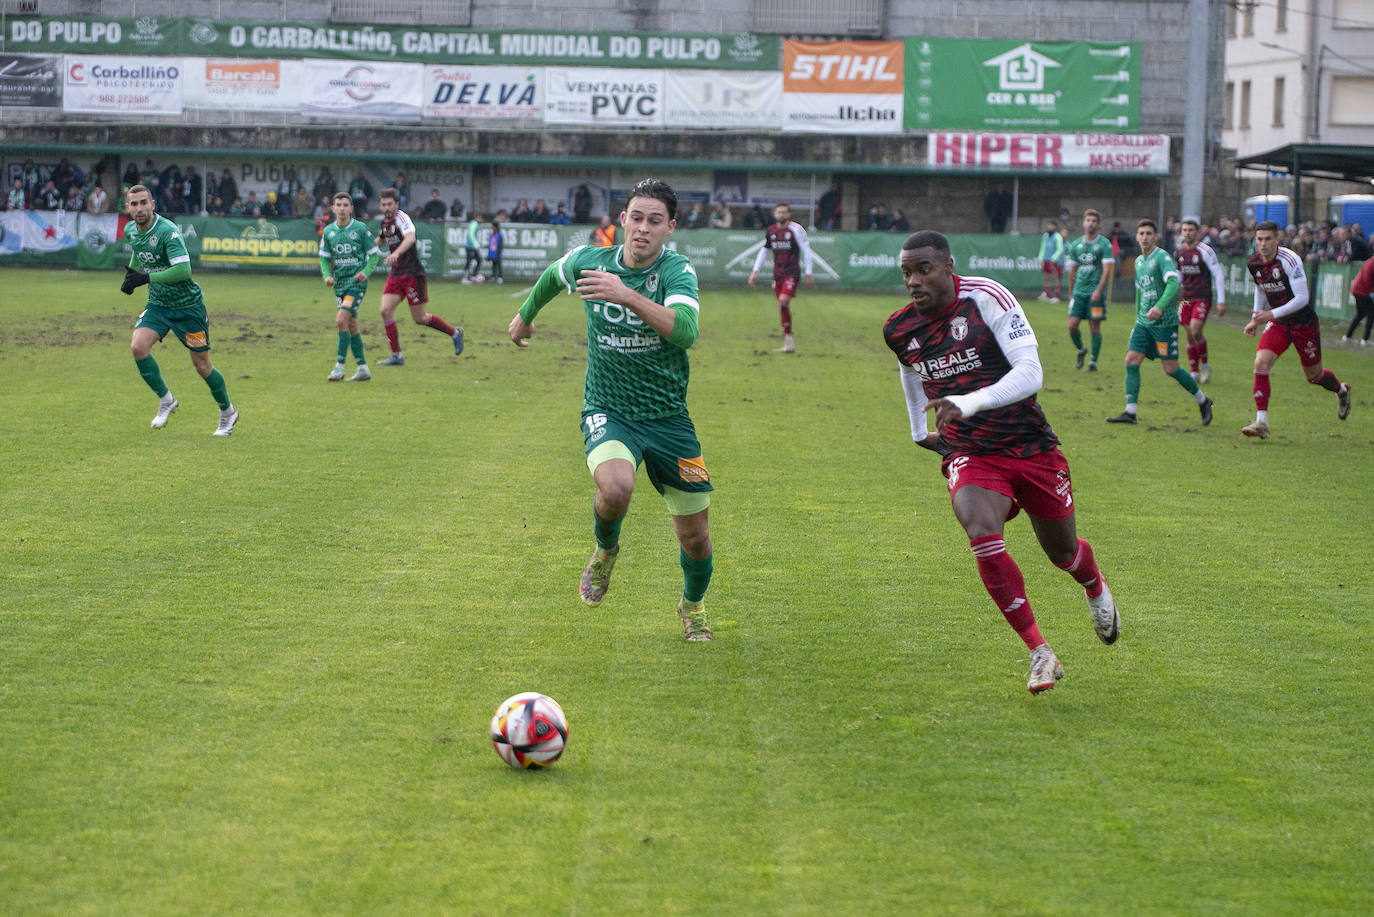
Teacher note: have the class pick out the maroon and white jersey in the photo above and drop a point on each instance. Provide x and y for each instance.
(394, 231)
(1200, 274)
(1281, 285)
(981, 353)
(791, 251)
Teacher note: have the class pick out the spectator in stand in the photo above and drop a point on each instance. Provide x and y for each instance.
(149, 177)
(49, 198)
(456, 212)
(286, 192)
(828, 208)
(1338, 249)
(878, 220)
(899, 221)
(997, 208)
(434, 209)
(1359, 245)
(540, 213)
(582, 205)
(1121, 242)
(270, 207)
(193, 190)
(17, 199)
(217, 208)
(756, 218)
(228, 188)
(720, 216)
(521, 213)
(63, 176)
(251, 207)
(131, 176)
(695, 218)
(75, 201)
(402, 191)
(323, 211)
(604, 234)
(560, 216)
(325, 187)
(1169, 242)
(360, 190)
(301, 204)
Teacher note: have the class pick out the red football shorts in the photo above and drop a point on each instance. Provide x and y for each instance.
(787, 286)
(414, 289)
(1189, 309)
(1039, 484)
(1051, 267)
(1307, 338)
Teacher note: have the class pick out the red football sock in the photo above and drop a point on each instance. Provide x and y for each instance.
(392, 337)
(1202, 350)
(1083, 568)
(1192, 358)
(1328, 381)
(1002, 579)
(1262, 391)
(786, 315)
(438, 324)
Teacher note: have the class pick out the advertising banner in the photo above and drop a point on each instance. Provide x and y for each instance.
(985, 84)
(1131, 154)
(843, 87)
(526, 249)
(102, 245)
(603, 97)
(38, 236)
(237, 83)
(123, 85)
(706, 99)
(260, 244)
(30, 81)
(456, 91)
(435, 45)
(350, 89)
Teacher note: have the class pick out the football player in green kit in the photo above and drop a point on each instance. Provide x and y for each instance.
(1155, 334)
(175, 303)
(641, 304)
(1090, 280)
(348, 256)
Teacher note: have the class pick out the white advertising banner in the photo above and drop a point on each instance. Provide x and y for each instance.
(843, 87)
(1139, 154)
(122, 85)
(723, 99)
(603, 97)
(354, 89)
(244, 83)
(483, 92)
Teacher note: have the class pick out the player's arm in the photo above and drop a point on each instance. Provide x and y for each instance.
(1168, 299)
(1104, 283)
(326, 261)
(133, 277)
(799, 233)
(541, 294)
(1018, 344)
(1297, 279)
(1213, 263)
(407, 228)
(916, 405)
(661, 317)
(758, 260)
(374, 257)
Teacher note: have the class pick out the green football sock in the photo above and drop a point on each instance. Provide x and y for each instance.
(343, 347)
(1132, 384)
(218, 389)
(607, 531)
(696, 576)
(357, 342)
(1097, 345)
(1185, 379)
(147, 368)
(1077, 337)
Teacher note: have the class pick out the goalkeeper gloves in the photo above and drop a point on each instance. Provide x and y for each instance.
(132, 281)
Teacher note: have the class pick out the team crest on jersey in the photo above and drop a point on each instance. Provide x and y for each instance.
(651, 282)
(1276, 274)
(959, 328)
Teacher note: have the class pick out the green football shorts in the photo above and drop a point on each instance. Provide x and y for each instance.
(1157, 342)
(1082, 306)
(191, 326)
(667, 447)
(350, 300)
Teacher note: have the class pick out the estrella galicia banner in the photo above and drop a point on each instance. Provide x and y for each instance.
(470, 47)
(996, 85)
(30, 81)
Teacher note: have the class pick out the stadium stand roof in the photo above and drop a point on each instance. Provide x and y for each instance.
(1314, 160)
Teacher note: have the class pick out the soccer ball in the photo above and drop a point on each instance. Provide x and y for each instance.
(479, 278)
(529, 730)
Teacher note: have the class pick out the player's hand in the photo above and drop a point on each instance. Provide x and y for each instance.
(1221, 309)
(520, 331)
(389, 260)
(1250, 327)
(360, 277)
(602, 285)
(751, 279)
(946, 412)
(132, 281)
(329, 281)
(1154, 314)
(810, 282)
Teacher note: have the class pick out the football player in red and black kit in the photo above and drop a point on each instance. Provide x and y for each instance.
(1200, 284)
(407, 279)
(791, 253)
(1282, 306)
(965, 344)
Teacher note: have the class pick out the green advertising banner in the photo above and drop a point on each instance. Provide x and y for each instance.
(247, 38)
(1001, 85)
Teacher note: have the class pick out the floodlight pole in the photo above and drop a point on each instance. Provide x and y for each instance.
(1195, 128)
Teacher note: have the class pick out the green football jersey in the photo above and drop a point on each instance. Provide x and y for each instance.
(631, 369)
(158, 249)
(347, 248)
(1152, 273)
(1091, 258)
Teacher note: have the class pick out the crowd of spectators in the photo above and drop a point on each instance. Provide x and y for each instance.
(1316, 242)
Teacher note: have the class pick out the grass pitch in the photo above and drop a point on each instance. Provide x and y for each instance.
(254, 675)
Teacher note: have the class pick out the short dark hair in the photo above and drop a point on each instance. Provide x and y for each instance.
(1189, 221)
(389, 194)
(1269, 225)
(134, 189)
(656, 189)
(1143, 223)
(1091, 213)
(926, 238)
(344, 195)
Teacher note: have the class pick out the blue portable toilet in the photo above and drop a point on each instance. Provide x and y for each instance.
(1353, 208)
(1267, 207)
